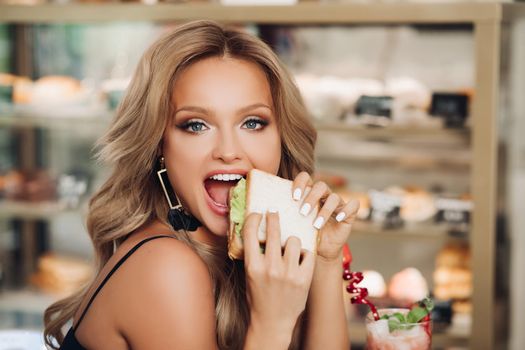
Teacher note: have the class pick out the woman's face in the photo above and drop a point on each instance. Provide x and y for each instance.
(223, 124)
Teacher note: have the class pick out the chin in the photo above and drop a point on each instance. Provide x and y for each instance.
(219, 227)
(216, 225)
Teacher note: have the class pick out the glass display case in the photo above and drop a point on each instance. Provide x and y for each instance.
(404, 97)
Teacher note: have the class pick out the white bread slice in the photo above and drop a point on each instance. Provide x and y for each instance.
(265, 191)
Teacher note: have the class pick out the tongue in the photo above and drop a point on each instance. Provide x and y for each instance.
(219, 190)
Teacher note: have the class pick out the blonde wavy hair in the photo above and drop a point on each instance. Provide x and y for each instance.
(132, 197)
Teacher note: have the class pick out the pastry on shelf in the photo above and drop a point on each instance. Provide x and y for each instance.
(462, 307)
(34, 186)
(453, 276)
(417, 205)
(408, 285)
(60, 274)
(327, 97)
(11, 183)
(15, 89)
(56, 90)
(454, 255)
(452, 291)
(61, 97)
(22, 90)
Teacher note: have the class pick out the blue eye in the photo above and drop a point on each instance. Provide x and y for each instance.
(255, 124)
(193, 126)
(196, 127)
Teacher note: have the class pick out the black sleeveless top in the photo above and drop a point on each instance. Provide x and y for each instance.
(70, 341)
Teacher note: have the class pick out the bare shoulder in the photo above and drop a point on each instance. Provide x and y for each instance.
(167, 298)
(168, 255)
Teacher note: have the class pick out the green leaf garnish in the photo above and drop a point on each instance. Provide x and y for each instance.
(427, 303)
(399, 321)
(416, 314)
(400, 317)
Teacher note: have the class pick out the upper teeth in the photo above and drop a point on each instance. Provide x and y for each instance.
(226, 177)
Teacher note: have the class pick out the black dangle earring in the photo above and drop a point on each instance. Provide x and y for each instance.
(178, 218)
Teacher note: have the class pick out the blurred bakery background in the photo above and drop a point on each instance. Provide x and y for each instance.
(418, 107)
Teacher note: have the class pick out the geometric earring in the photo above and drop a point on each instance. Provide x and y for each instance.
(178, 218)
(166, 186)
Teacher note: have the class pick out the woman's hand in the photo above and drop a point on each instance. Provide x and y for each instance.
(335, 217)
(277, 284)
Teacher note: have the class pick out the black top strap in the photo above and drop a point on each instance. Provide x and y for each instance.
(115, 268)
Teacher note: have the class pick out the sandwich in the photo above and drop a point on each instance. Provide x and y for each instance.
(260, 192)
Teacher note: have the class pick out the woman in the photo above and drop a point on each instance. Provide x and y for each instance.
(206, 100)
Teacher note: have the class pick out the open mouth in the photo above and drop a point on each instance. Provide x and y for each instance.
(218, 188)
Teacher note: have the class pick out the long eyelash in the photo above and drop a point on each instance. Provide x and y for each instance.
(185, 125)
(261, 121)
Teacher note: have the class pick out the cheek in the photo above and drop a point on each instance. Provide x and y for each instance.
(182, 160)
(264, 151)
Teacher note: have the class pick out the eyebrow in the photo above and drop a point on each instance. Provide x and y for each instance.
(206, 111)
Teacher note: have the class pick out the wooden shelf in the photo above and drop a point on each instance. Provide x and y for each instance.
(46, 210)
(409, 231)
(26, 301)
(396, 132)
(302, 13)
(460, 165)
(30, 211)
(97, 123)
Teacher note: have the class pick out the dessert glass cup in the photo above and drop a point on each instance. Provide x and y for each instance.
(413, 336)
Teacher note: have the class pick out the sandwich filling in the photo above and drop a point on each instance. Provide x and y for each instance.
(238, 206)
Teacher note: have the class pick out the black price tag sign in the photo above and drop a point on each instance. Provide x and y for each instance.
(452, 107)
(378, 106)
(453, 211)
(385, 208)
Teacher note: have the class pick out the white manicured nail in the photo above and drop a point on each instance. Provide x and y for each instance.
(340, 217)
(272, 210)
(318, 223)
(305, 209)
(297, 194)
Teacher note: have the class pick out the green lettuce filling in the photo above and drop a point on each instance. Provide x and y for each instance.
(238, 206)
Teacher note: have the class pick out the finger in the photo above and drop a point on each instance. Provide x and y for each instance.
(292, 252)
(273, 235)
(328, 208)
(348, 212)
(249, 236)
(307, 263)
(301, 181)
(320, 190)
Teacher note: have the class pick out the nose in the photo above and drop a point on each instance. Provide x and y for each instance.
(227, 147)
